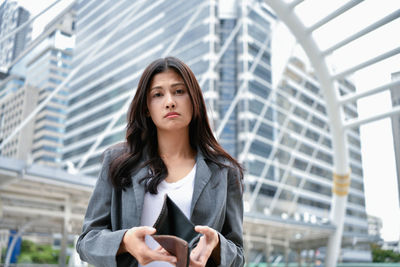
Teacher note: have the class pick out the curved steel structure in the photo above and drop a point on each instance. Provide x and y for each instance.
(341, 177)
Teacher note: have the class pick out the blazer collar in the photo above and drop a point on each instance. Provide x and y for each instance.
(202, 177)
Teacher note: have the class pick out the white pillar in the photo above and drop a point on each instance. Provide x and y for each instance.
(247, 248)
(298, 257)
(268, 249)
(286, 252)
(62, 260)
(339, 140)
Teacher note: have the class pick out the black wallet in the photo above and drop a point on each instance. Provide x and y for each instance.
(175, 232)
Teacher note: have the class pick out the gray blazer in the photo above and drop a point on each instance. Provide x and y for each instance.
(217, 202)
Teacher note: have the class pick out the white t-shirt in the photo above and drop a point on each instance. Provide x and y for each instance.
(180, 192)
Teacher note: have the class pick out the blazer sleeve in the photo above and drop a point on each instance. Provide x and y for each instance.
(231, 235)
(97, 244)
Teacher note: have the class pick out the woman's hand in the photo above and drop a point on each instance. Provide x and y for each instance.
(133, 242)
(206, 245)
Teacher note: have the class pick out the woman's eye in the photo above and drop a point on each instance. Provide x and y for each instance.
(157, 95)
(180, 91)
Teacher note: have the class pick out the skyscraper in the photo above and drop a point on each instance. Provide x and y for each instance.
(11, 17)
(14, 107)
(48, 65)
(280, 134)
(39, 69)
(108, 79)
(305, 157)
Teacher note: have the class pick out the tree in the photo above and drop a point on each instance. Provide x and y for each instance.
(33, 253)
(383, 255)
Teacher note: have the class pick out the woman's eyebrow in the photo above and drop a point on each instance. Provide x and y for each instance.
(172, 85)
(156, 87)
(177, 84)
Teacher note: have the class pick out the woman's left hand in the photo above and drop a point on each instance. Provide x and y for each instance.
(206, 245)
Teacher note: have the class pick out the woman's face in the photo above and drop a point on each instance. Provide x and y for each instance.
(168, 102)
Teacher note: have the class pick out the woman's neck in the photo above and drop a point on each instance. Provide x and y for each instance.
(174, 145)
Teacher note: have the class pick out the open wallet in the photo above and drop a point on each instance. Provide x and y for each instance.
(175, 232)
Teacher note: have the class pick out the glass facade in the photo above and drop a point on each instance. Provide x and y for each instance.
(109, 79)
(11, 17)
(280, 134)
(47, 67)
(228, 87)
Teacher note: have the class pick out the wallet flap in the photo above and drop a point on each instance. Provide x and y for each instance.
(175, 246)
(172, 221)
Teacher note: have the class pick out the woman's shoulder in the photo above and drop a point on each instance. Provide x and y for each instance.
(223, 163)
(116, 150)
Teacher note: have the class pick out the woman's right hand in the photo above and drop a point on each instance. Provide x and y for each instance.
(133, 242)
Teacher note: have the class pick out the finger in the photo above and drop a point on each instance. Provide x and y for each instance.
(145, 230)
(155, 256)
(162, 250)
(207, 231)
(196, 263)
(203, 229)
(194, 254)
(199, 249)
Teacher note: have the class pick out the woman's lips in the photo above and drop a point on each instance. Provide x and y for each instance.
(172, 115)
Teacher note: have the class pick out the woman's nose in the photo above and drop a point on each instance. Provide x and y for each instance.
(170, 102)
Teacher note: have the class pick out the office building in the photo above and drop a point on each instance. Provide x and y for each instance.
(11, 17)
(40, 69)
(288, 158)
(14, 107)
(375, 227)
(108, 78)
(10, 83)
(46, 70)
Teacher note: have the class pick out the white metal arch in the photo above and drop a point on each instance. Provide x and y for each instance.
(338, 127)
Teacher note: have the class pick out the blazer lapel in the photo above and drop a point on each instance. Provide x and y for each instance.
(138, 189)
(202, 176)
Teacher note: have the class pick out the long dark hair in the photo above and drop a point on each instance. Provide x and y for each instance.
(141, 133)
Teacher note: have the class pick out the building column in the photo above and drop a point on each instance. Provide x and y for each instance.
(62, 260)
(286, 252)
(298, 257)
(268, 249)
(308, 263)
(314, 257)
(247, 248)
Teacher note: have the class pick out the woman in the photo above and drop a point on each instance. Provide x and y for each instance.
(169, 149)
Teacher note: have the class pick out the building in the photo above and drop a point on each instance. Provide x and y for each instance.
(288, 156)
(395, 95)
(14, 107)
(43, 65)
(11, 17)
(375, 227)
(46, 70)
(299, 167)
(10, 83)
(107, 81)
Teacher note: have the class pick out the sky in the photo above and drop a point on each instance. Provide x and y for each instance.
(379, 166)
